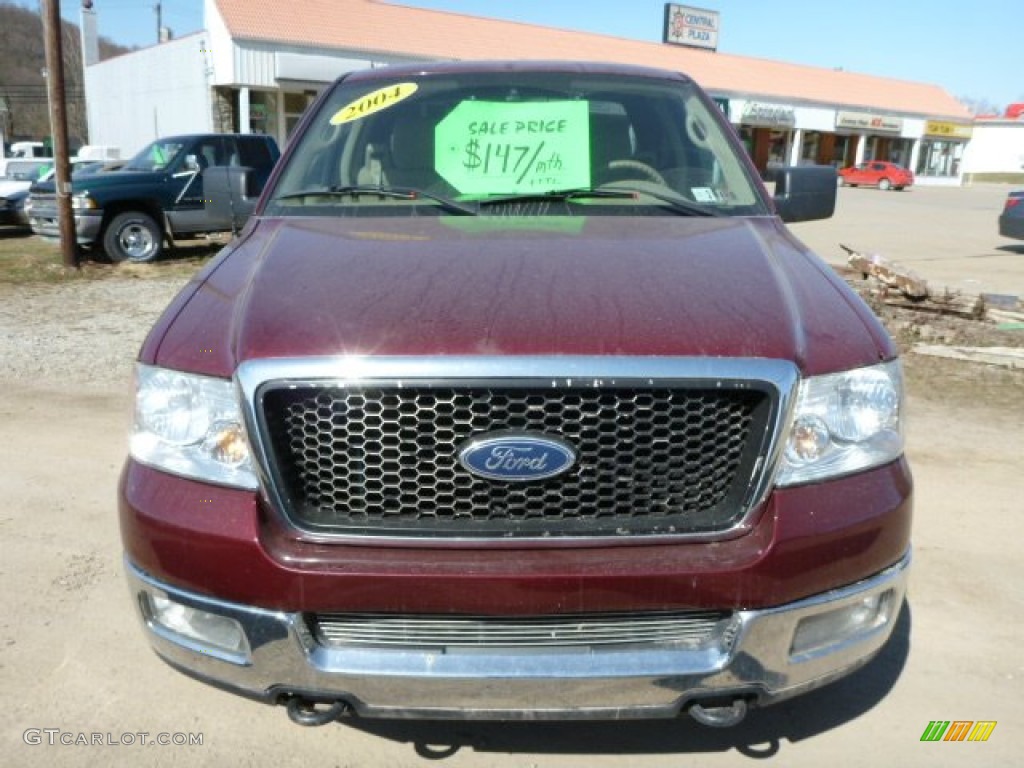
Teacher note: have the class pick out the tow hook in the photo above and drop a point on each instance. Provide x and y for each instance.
(723, 716)
(305, 712)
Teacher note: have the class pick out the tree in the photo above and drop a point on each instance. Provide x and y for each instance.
(980, 106)
(22, 75)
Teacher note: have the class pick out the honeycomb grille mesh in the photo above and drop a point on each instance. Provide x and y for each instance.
(383, 460)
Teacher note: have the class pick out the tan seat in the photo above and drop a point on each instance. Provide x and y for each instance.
(412, 154)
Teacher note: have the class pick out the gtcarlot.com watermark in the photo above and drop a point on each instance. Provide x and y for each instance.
(58, 737)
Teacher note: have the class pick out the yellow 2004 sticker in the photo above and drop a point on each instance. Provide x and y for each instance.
(380, 99)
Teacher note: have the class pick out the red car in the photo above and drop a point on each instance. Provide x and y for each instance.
(876, 173)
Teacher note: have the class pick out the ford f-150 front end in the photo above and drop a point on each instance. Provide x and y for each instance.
(517, 399)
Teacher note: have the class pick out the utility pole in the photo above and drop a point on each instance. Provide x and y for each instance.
(59, 128)
(159, 20)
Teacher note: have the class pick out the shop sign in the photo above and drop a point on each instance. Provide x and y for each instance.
(693, 27)
(865, 121)
(770, 115)
(723, 104)
(948, 130)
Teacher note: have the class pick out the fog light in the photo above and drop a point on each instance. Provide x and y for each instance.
(809, 441)
(825, 630)
(197, 629)
(227, 444)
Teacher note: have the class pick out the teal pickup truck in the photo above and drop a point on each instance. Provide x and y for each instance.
(176, 187)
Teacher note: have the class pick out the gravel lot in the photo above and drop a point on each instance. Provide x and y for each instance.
(84, 331)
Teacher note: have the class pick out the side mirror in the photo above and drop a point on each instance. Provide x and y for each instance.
(804, 192)
(192, 163)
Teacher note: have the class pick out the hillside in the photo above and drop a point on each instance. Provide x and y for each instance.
(23, 105)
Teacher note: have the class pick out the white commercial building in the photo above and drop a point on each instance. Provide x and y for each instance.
(259, 63)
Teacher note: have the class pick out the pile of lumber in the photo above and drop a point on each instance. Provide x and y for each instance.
(900, 287)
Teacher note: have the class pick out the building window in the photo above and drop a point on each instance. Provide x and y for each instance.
(811, 148)
(294, 105)
(900, 150)
(263, 112)
(779, 144)
(844, 151)
(939, 158)
(746, 135)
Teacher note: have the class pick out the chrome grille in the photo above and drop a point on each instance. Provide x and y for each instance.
(688, 628)
(378, 459)
(44, 204)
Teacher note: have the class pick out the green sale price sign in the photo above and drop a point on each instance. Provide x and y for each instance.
(486, 147)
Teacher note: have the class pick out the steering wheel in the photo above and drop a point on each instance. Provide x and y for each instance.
(643, 168)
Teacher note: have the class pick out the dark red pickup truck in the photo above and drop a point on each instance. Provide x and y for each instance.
(517, 399)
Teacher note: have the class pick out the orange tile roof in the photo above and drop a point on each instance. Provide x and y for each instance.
(379, 28)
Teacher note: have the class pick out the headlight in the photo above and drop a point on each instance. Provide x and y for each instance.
(83, 203)
(192, 426)
(843, 423)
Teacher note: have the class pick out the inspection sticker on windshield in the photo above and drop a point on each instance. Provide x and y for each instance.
(380, 99)
(513, 147)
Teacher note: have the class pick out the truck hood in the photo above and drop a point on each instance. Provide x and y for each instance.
(97, 182)
(9, 187)
(674, 286)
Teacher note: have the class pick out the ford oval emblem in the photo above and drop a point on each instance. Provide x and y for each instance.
(516, 457)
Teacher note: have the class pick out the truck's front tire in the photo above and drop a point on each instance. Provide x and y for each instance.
(132, 236)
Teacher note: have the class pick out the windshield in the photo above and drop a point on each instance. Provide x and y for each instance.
(155, 156)
(516, 143)
(27, 170)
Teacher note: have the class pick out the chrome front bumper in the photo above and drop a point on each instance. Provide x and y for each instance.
(45, 224)
(754, 658)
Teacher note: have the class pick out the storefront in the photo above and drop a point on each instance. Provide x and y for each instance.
(786, 134)
(766, 130)
(942, 149)
(272, 112)
(870, 136)
(814, 140)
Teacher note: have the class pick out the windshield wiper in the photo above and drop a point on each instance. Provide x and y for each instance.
(395, 193)
(677, 204)
(577, 193)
